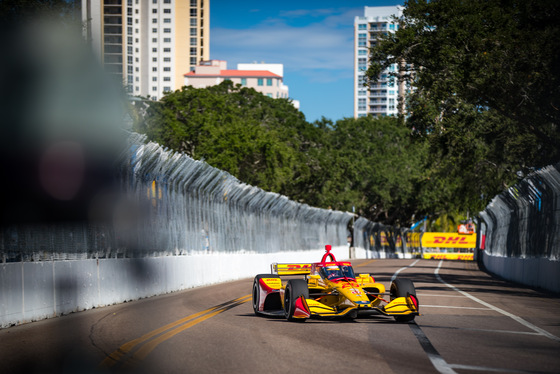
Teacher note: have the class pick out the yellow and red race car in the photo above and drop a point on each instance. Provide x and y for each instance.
(330, 289)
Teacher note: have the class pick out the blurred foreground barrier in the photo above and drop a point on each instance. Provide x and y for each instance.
(521, 231)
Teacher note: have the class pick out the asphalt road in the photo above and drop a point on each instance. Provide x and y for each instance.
(469, 323)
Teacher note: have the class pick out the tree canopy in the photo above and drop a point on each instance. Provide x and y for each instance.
(370, 164)
(483, 101)
(255, 138)
(484, 77)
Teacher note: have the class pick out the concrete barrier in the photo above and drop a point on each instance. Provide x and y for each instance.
(540, 273)
(31, 291)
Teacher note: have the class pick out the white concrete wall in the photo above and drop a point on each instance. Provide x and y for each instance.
(31, 291)
(539, 273)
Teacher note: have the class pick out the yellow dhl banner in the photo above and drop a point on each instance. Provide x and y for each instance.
(448, 240)
(449, 256)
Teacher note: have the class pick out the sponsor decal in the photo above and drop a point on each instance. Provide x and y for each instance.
(448, 240)
(274, 283)
(292, 267)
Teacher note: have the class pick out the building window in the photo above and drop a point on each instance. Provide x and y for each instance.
(154, 88)
(154, 59)
(362, 26)
(362, 52)
(193, 51)
(166, 89)
(154, 79)
(154, 49)
(167, 50)
(362, 105)
(167, 79)
(167, 59)
(167, 11)
(269, 81)
(167, 31)
(193, 41)
(193, 21)
(193, 13)
(167, 40)
(154, 30)
(167, 20)
(193, 60)
(166, 68)
(269, 95)
(362, 63)
(260, 82)
(362, 40)
(243, 81)
(154, 69)
(167, 1)
(193, 31)
(154, 20)
(193, 3)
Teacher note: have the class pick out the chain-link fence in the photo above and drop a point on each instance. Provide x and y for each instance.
(170, 204)
(524, 221)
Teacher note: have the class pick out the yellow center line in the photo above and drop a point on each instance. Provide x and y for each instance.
(143, 351)
(115, 356)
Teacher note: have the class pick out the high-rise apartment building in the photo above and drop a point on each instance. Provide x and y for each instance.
(150, 44)
(380, 99)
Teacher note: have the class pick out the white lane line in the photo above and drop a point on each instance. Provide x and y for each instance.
(493, 370)
(485, 330)
(435, 358)
(453, 307)
(403, 268)
(495, 308)
(431, 295)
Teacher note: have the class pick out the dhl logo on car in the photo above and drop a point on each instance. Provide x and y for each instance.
(291, 269)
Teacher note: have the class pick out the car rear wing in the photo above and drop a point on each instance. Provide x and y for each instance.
(290, 269)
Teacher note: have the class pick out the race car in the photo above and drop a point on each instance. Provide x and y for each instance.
(330, 289)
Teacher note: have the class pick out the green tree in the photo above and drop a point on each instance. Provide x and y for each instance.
(493, 55)
(236, 129)
(485, 92)
(374, 165)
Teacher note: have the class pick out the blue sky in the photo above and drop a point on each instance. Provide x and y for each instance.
(313, 39)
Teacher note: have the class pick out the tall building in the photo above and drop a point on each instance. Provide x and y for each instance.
(149, 44)
(380, 99)
(265, 78)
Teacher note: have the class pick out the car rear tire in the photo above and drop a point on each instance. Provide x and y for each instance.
(257, 291)
(402, 287)
(294, 289)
